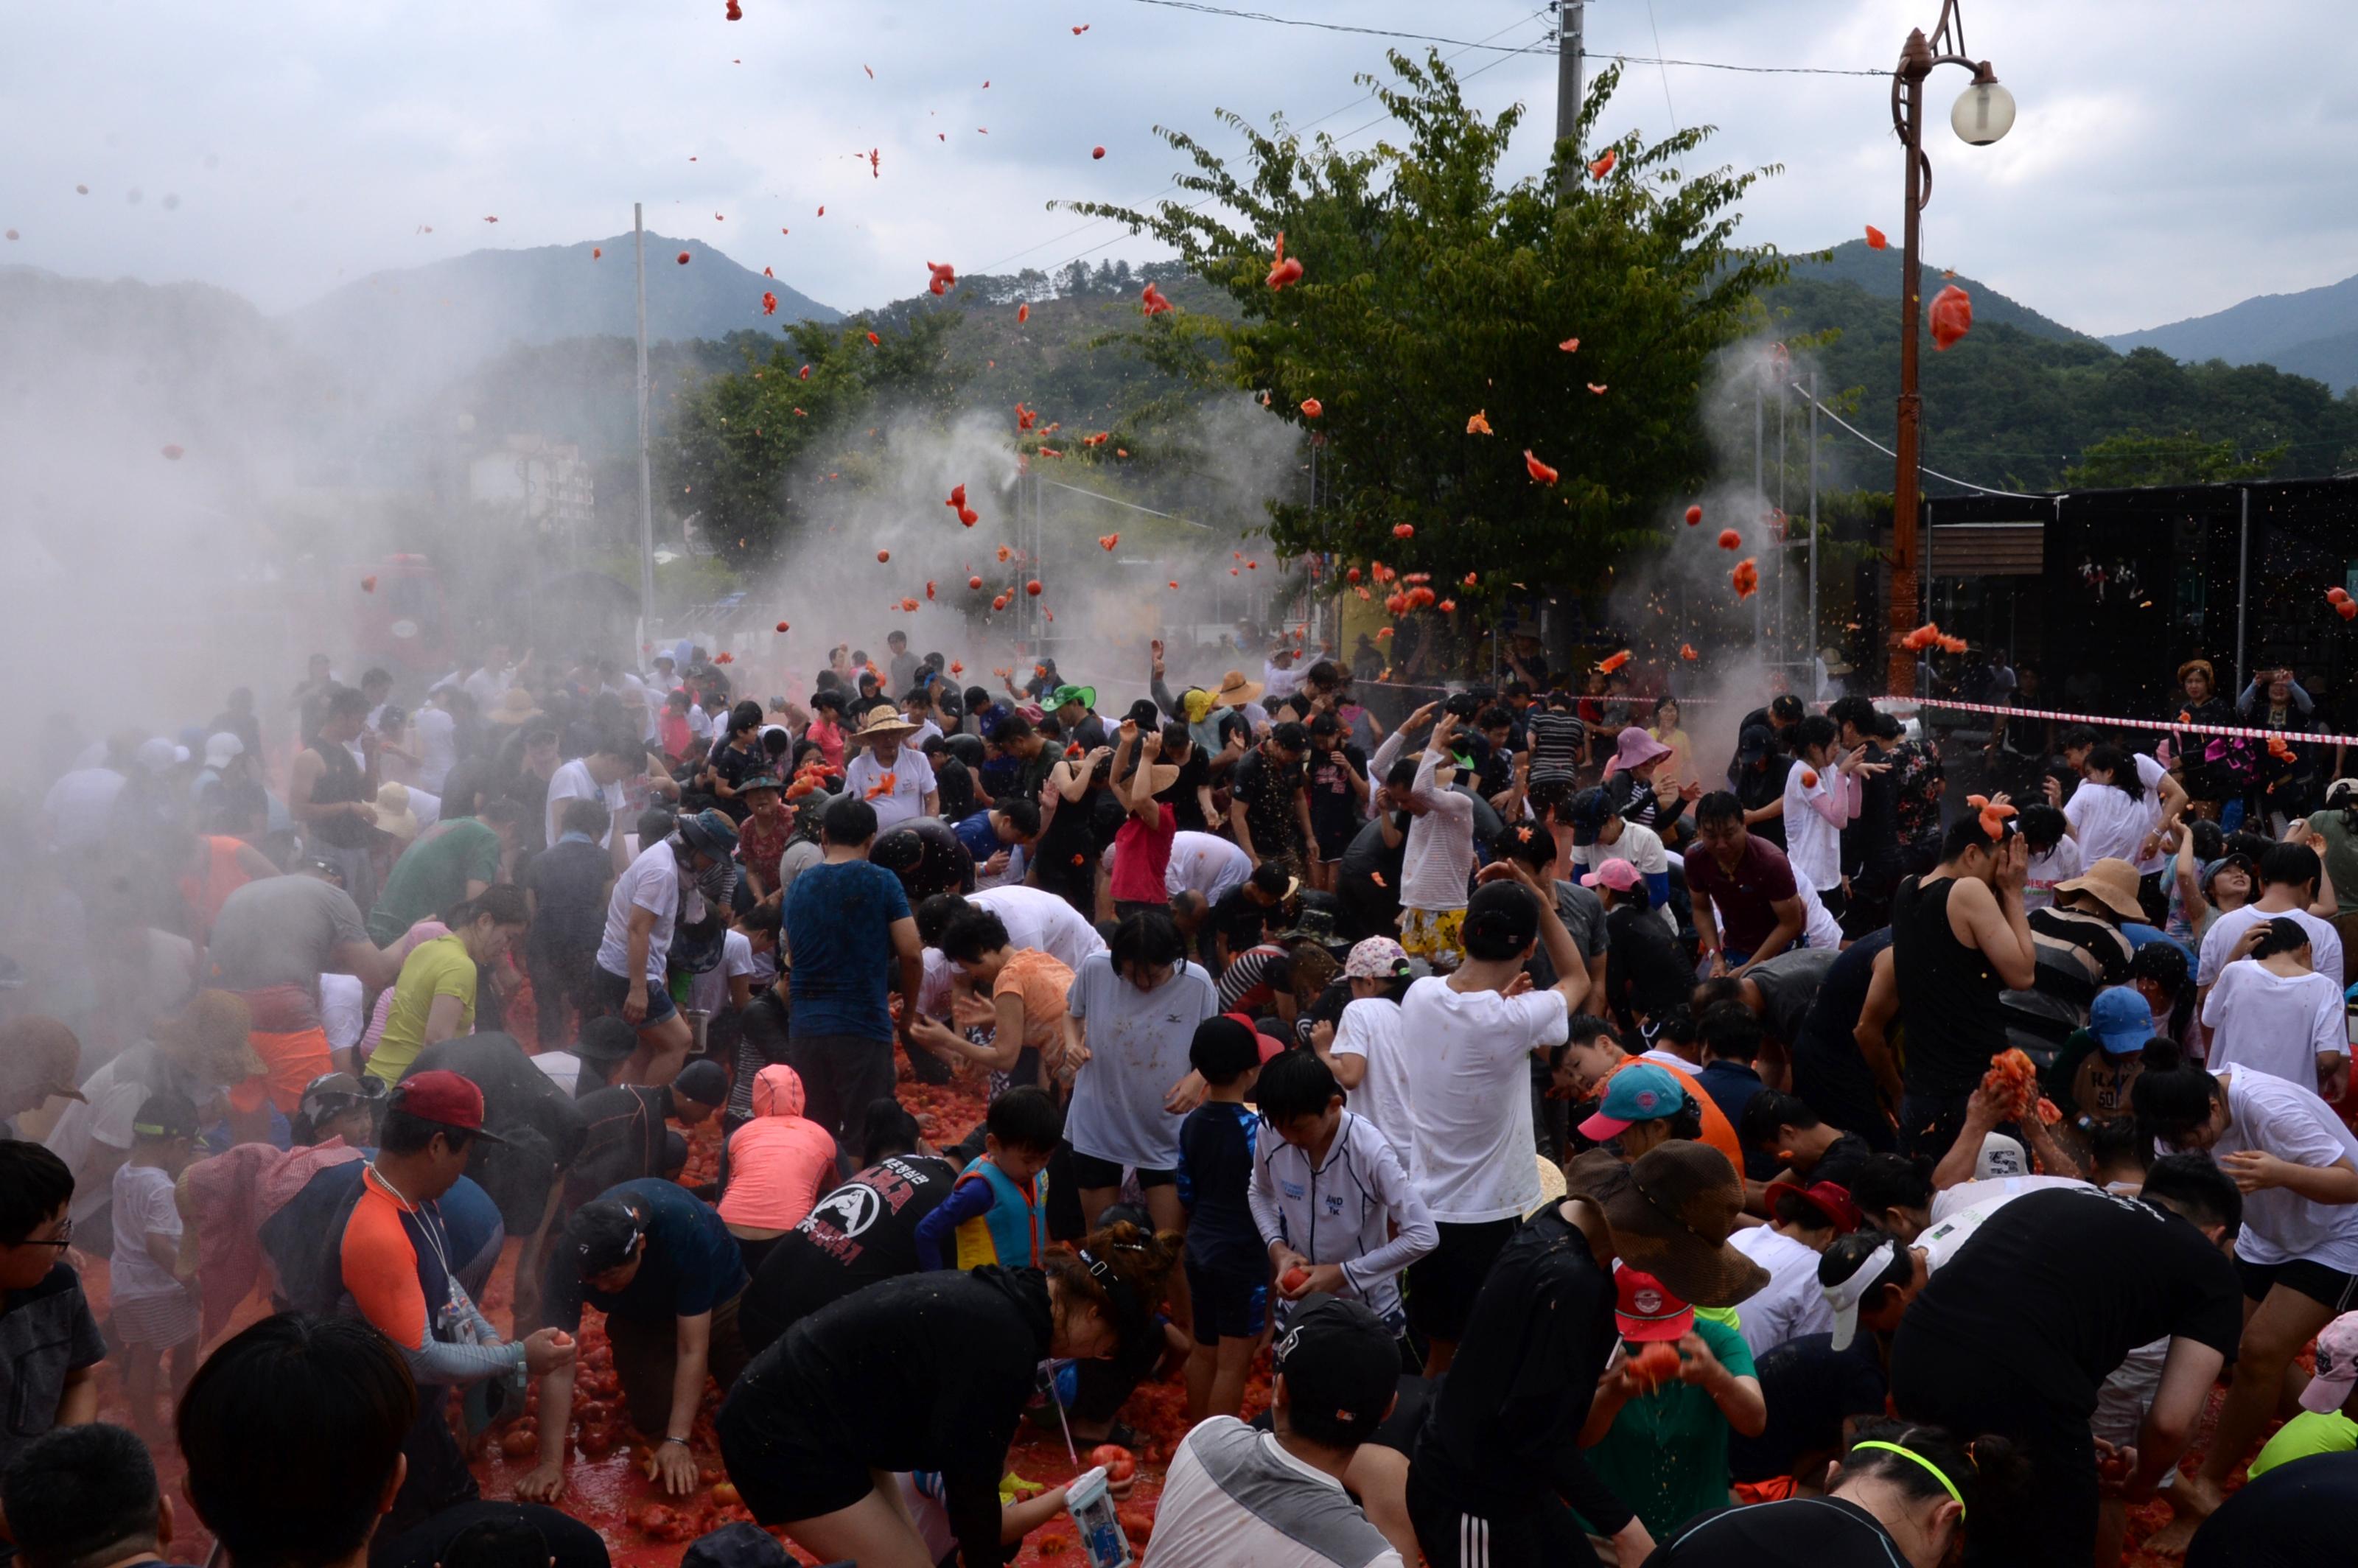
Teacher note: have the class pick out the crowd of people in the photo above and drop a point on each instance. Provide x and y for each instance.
(1618, 1153)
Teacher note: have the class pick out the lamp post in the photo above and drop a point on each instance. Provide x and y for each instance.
(1982, 114)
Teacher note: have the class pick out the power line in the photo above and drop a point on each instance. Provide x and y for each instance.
(1887, 451)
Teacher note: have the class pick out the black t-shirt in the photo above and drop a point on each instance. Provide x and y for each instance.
(2056, 1289)
(571, 1543)
(1799, 1532)
(625, 1140)
(1240, 920)
(1185, 796)
(542, 1125)
(1216, 1171)
(2299, 1515)
(1842, 996)
(1508, 1417)
(1763, 786)
(1333, 809)
(863, 1231)
(1268, 790)
(1369, 853)
(569, 882)
(1644, 970)
(1841, 1162)
(1811, 1388)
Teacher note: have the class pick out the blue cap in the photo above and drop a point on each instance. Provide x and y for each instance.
(2120, 1020)
(1642, 1091)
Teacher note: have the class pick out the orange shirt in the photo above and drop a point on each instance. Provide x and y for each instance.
(1041, 983)
(380, 1267)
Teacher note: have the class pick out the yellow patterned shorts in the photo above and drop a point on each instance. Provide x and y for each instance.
(1436, 936)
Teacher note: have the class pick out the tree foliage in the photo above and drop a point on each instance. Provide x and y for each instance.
(1431, 293)
(2134, 458)
(745, 454)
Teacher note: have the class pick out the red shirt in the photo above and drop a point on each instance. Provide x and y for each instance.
(1740, 899)
(1141, 857)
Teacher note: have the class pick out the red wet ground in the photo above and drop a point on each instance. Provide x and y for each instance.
(608, 1488)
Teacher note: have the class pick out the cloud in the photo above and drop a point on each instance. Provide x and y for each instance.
(2158, 170)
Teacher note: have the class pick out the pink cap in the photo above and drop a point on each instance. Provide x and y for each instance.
(1619, 875)
(2337, 1365)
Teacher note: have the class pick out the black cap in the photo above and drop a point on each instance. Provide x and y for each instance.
(704, 1082)
(739, 1545)
(1144, 714)
(167, 1113)
(603, 1234)
(1755, 742)
(1584, 814)
(1341, 1367)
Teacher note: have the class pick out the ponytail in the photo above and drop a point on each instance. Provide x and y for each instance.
(2121, 766)
(1987, 1476)
(2172, 1094)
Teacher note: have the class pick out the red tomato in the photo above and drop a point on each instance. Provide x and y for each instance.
(1295, 1279)
(725, 1494)
(1119, 1464)
(1658, 1363)
(519, 1442)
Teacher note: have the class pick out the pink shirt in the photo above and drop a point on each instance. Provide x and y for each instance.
(780, 1163)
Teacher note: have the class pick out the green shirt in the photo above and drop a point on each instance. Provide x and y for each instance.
(432, 875)
(2310, 1433)
(2341, 858)
(1666, 1454)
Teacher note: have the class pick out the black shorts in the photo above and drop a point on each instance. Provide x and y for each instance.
(1091, 1173)
(2327, 1287)
(1230, 1303)
(785, 1467)
(1442, 1284)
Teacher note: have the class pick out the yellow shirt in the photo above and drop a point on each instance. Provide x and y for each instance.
(436, 968)
(1679, 766)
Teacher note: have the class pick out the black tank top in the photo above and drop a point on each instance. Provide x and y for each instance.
(1948, 994)
(339, 780)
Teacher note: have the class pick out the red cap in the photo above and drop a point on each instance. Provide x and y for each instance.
(445, 1099)
(1644, 1308)
(1832, 1201)
(1271, 1047)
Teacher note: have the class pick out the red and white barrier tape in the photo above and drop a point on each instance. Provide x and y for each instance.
(1917, 705)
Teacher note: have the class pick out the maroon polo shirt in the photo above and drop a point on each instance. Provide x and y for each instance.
(1740, 899)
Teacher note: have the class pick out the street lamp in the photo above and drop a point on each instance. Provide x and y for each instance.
(1983, 114)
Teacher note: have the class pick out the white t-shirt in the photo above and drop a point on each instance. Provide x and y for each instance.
(564, 1070)
(1953, 1200)
(1813, 844)
(426, 808)
(2060, 864)
(573, 782)
(78, 807)
(1370, 1029)
(2110, 826)
(1470, 1099)
(1235, 1496)
(652, 882)
(143, 1207)
(1642, 847)
(1036, 918)
(1819, 929)
(898, 793)
(2290, 1123)
(1206, 863)
(1792, 1302)
(438, 747)
(342, 1012)
(1279, 683)
(708, 992)
(2274, 1024)
(1137, 1044)
(487, 686)
(2324, 942)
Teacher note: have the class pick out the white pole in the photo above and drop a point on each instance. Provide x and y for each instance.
(1811, 650)
(646, 481)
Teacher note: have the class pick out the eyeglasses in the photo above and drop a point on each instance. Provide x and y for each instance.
(64, 1238)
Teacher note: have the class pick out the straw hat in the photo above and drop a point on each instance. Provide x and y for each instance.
(393, 813)
(515, 707)
(1834, 661)
(1235, 691)
(2113, 883)
(210, 1037)
(884, 724)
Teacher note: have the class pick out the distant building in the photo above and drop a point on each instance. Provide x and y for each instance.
(545, 480)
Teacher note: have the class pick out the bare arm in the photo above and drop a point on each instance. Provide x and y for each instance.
(911, 950)
(254, 863)
(444, 1017)
(1791, 919)
(2187, 1373)
(1874, 1016)
(373, 966)
(1993, 920)
(1243, 832)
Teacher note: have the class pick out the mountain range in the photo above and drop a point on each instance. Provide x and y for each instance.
(2313, 333)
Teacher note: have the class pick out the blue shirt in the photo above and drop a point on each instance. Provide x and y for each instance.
(1731, 1086)
(980, 839)
(1216, 1167)
(838, 923)
(690, 1266)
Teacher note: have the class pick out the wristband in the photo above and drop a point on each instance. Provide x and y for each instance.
(681, 1441)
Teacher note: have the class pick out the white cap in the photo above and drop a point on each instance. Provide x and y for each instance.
(2000, 1156)
(160, 755)
(2337, 1365)
(220, 747)
(1844, 1295)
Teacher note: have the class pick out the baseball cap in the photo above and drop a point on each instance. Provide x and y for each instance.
(1619, 875)
(330, 1094)
(1644, 1308)
(2120, 1020)
(1755, 742)
(445, 1099)
(1846, 1291)
(1828, 1198)
(2212, 868)
(1642, 1091)
(165, 1113)
(703, 1082)
(1340, 1363)
(604, 1232)
(2001, 1156)
(1376, 958)
(2337, 1365)
(221, 748)
(1584, 814)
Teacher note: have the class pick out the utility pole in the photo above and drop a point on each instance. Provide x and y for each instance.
(646, 483)
(1568, 45)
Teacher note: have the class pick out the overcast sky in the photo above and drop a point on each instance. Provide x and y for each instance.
(2171, 159)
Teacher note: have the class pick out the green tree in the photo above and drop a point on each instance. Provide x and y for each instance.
(2134, 458)
(745, 451)
(1431, 293)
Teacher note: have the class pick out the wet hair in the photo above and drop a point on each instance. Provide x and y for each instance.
(1026, 1119)
(1730, 1031)
(1990, 1473)
(329, 1400)
(1124, 1270)
(1293, 1085)
(2043, 827)
(2163, 963)
(503, 902)
(1147, 936)
(1712, 992)
(1403, 775)
(2283, 934)
(2195, 1186)
(2172, 1094)
(655, 824)
(746, 715)
(1531, 843)
(1677, 1023)
(1884, 1182)
(2120, 765)
(1015, 726)
(34, 1185)
(1290, 736)
(1223, 1050)
(1022, 812)
(888, 1129)
(935, 915)
(1719, 805)
(1817, 729)
(1787, 706)
(503, 1541)
(2289, 865)
(971, 934)
(1271, 878)
(1767, 1111)
(624, 747)
(1848, 1254)
(2118, 1143)
(2075, 738)
(80, 1496)
(848, 821)
(1855, 710)
(1967, 833)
